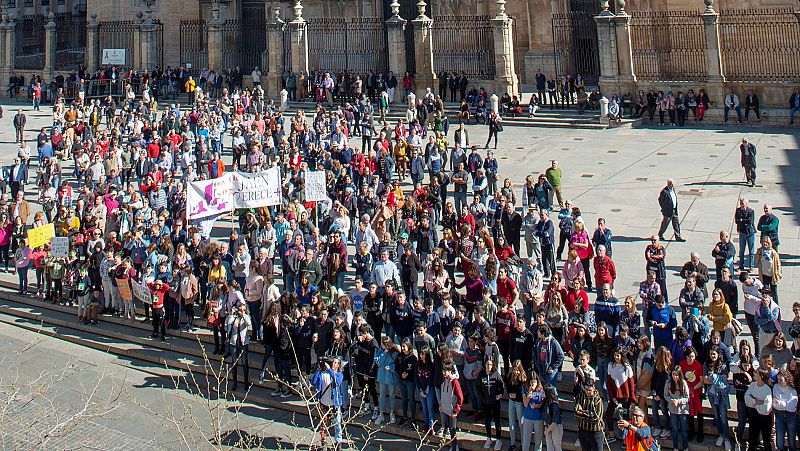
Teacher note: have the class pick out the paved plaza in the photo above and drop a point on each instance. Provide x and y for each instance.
(617, 174)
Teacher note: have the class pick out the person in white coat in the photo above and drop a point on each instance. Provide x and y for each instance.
(239, 325)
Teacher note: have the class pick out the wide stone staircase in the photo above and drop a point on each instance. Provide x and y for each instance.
(545, 117)
(191, 352)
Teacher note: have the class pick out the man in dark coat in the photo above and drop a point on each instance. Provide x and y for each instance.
(668, 201)
(748, 160)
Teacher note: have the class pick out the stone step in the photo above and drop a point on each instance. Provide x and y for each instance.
(103, 338)
(192, 347)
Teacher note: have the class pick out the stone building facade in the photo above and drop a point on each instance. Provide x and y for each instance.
(633, 45)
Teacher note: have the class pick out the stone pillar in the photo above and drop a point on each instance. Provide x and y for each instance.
(148, 33)
(396, 46)
(622, 26)
(607, 48)
(423, 45)
(50, 42)
(603, 110)
(10, 47)
(5, 71)
(505, 77)
(299, 34)
(214, 39)
(713, 56)
(92, 44)
(275, 27)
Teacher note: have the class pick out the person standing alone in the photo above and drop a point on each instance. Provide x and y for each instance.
(748, 160)
(668, 201)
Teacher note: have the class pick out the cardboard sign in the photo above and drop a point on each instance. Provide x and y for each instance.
(315, 186)
(59, 246)
(41, 235)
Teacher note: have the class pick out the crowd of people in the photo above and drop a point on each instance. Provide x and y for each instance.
(424, 275)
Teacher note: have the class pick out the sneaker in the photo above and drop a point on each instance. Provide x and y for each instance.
(402, 421)
(440, 432)
(498, 445)
(392, 419)
(276, 392)
(664, 434)
(720, 441)
(727, 445)
(487, 444)
(375, 415)
(379, 420)
(286, 394)
(656, 431)
(261, 378)
(611, 439)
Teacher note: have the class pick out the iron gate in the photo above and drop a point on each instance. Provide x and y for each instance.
(194, 44)
(357, 44)
(70, 41)
(30, 43)
(464, 44)
(575, 45)
(244, 40)
(119, 34)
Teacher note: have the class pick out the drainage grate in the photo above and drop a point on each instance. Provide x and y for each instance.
(690, 193)
(641, 179)
(588, 176)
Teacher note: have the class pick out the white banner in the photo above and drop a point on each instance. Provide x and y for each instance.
(233, 190)
(315, 186)
(141, 292)
(59, 246)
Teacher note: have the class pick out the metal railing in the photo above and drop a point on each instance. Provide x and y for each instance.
(70, 41)
(575, 45)
(668, 46)
(760, 45)
(357, 44)
(30, 43)
(194, 43)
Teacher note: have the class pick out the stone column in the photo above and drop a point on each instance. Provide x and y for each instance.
(50, 42)
(396, 46)
(423, 45)
(10, 47)
(214, 39)
(713, 56)
(622, 27)
(5, 71)
(92, 43)
(607, 48)
(505, 77)
(299, 34)
(275, 27)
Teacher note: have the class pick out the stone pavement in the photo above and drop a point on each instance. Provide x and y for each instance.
(59, 395)
(617, 174)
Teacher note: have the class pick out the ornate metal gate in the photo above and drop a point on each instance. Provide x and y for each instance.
(575, 45)
(357, 44)
(70, 41)
(120, 34)
(244, 41)
(194, 44)
(464, 44)
(30, 43)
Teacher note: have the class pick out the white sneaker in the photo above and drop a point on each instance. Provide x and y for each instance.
(656, 432)
(487, 444)
(727, 445)
(379, 420)
(498, 445)
(720, 441)
(392, 419)
(664, 434)
(374, 414)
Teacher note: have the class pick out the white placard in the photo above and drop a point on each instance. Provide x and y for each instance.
(59, 246)
(234, 190)
(113, 56)
(141, 292)
(315, 186)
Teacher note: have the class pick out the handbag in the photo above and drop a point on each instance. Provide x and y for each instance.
(211, 314)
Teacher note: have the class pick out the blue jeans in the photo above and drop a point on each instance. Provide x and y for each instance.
(660, 406)
(551, 379)
(22, 274)
(386, 396)
(786, 424)
(741, 419)
(472, 391)
(738, 113)
(680, 431)
(602, 371)
(719, 410)
(750, 241)
(428, 407)
(792, 112)
(267, 355)
(407, 403)
(514, 419)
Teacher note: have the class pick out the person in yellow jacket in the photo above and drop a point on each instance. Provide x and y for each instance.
(189, 86)
(768, 262)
